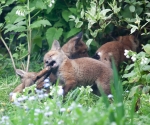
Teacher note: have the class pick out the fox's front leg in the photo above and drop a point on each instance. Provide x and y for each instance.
(71, 84)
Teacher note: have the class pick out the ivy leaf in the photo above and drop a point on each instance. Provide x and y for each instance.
(53, 34)
(39, 23)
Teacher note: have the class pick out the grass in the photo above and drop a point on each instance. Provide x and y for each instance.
(80, 107)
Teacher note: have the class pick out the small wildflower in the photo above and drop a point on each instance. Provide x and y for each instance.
(48, 113)
(110, 96)
(126, 52)
(62, 110)
(113, 123)
(60, 91)
(31, 98)
(46, 80)
(60, 122)
(79, 105)
(133, 58)
(46, 123)
(20, 13)
(127, 91)
(144, 61)
(127, 56)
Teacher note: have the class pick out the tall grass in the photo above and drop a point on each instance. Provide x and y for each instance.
(79, 107)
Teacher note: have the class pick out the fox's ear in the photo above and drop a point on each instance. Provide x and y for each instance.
(55, 45)
(78, 39)
(20, 72)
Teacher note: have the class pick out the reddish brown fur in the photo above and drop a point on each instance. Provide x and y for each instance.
(76, 72)
(116, 49)
(74, 48)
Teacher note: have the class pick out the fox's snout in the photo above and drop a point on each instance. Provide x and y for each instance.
(96, 56)
(49, 62)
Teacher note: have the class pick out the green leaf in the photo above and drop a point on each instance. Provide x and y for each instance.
(53, 34)
(39, 23)
(66, 14)
(148, 78)
(14, 28)
(40, 4)
(73, 10)
(20, 18)
(0, 11)
(88, 43)
(79, 24)
(38, 41)
(146, 89)
(132, 8)
(147, 48)
(72, 32)
(131, 74)
(21, 35)
(134, 90)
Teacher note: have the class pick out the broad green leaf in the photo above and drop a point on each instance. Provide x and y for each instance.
(131, 74)
(134, 90)
(79, 24)
(147, 48)
(40, 4)
(66, 14)
(73, 10)
(129, 67)
(14, 28)
(72, 32)
(53, 34)
(20, 18)
(132, 8)
(146, 89)
(39, 23)
(38, 41)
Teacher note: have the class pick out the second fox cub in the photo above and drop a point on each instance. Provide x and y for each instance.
(116, 49)
(76, 72)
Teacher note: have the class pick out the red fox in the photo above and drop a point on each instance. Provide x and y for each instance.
(74, 48)
(116, 49)
(76, 72)
(29, 78)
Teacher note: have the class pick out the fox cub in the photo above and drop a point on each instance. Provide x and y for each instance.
(75, 47)
(116, 49)
(76, 72)
(29, 78)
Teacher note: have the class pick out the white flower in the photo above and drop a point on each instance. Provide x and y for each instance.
(126, 52)
(20, 13)
(133, 58)
(50, 5)
(127, 56)
(48, 113)
(60, 122)
(110, 96)
(52, 1)
(144, 61)
(46, 123)
(31, 98)
(60, 91)
(62, 110)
